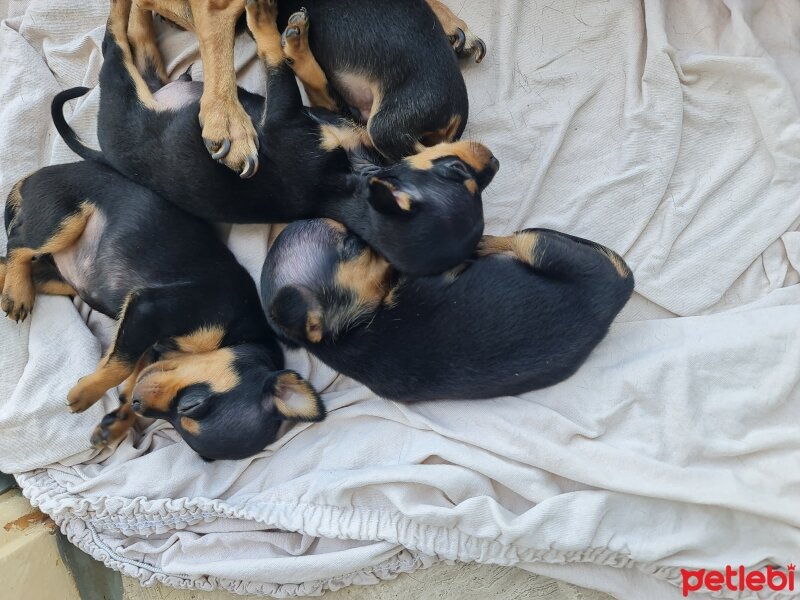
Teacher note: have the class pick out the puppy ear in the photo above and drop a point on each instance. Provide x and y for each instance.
(296, 399)
(386, 198)
(295, 310)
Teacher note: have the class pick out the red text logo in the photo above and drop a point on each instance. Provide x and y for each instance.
(738, 580)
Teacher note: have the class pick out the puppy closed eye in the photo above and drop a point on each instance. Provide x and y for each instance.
(458, 170)
(194, 402)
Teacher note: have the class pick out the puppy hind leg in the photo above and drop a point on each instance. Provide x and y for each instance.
(298, 53)
(116, 48)
(48, 280)
(146, 55)
(464, 42)
(283, 95)
(25, 243)
(262, 20)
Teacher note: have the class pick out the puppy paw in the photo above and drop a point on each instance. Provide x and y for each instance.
(294, 40)
(83, 395)
(17, 304)
(229, 135)
(466, 44)
(261, 13)
(113, 428)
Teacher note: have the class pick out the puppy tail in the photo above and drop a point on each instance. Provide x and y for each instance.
(66, 132)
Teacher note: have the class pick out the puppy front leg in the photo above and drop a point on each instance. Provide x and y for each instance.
(115, 425)
(148, 316)
(228, 131)
(464, 42)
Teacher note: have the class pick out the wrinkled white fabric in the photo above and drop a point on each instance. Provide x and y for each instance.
(666, 129)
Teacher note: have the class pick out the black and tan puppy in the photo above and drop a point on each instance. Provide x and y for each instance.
(423, 213)
(228, 132)
(388, 63)
(523, 314)
(192, 345)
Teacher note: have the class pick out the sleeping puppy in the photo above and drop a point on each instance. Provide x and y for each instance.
(227, 130)
(388, 64)
(423, 213)
(192, 345)
(523, 314)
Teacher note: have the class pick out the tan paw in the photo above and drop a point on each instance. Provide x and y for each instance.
(229, 135)
(113, 428)
(466, 44)
(83, 395)
(17, 303)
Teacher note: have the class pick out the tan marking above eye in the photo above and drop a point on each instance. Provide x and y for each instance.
(472, 153)
(471, 185)
(204, 339)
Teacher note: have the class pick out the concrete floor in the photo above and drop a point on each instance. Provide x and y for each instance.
(440, 582)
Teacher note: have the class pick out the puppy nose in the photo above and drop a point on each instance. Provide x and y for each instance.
(494, 164)
(136, 405)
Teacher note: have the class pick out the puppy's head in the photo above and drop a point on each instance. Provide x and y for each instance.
(319, 280)
(427, 208)
(228, 403)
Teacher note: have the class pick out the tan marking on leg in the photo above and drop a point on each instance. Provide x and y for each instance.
(18, 289)
(205, 339)
(222, 117)
(494, 244)
(525, 244)
(444, 134)
(190, 426)
(2, 273)
(130, 382)
(262, 18)
(520, 245)
(15, 195)
(118, 26)
(55, 288)
(111, 372)
(304, 63)
(160, 383)
(451, 24)
(142, 37)
(177, 11)
(619, 264)
(109, 434)
(475, 155)
(348, 137)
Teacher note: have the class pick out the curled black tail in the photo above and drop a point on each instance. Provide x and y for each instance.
(65, 131)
